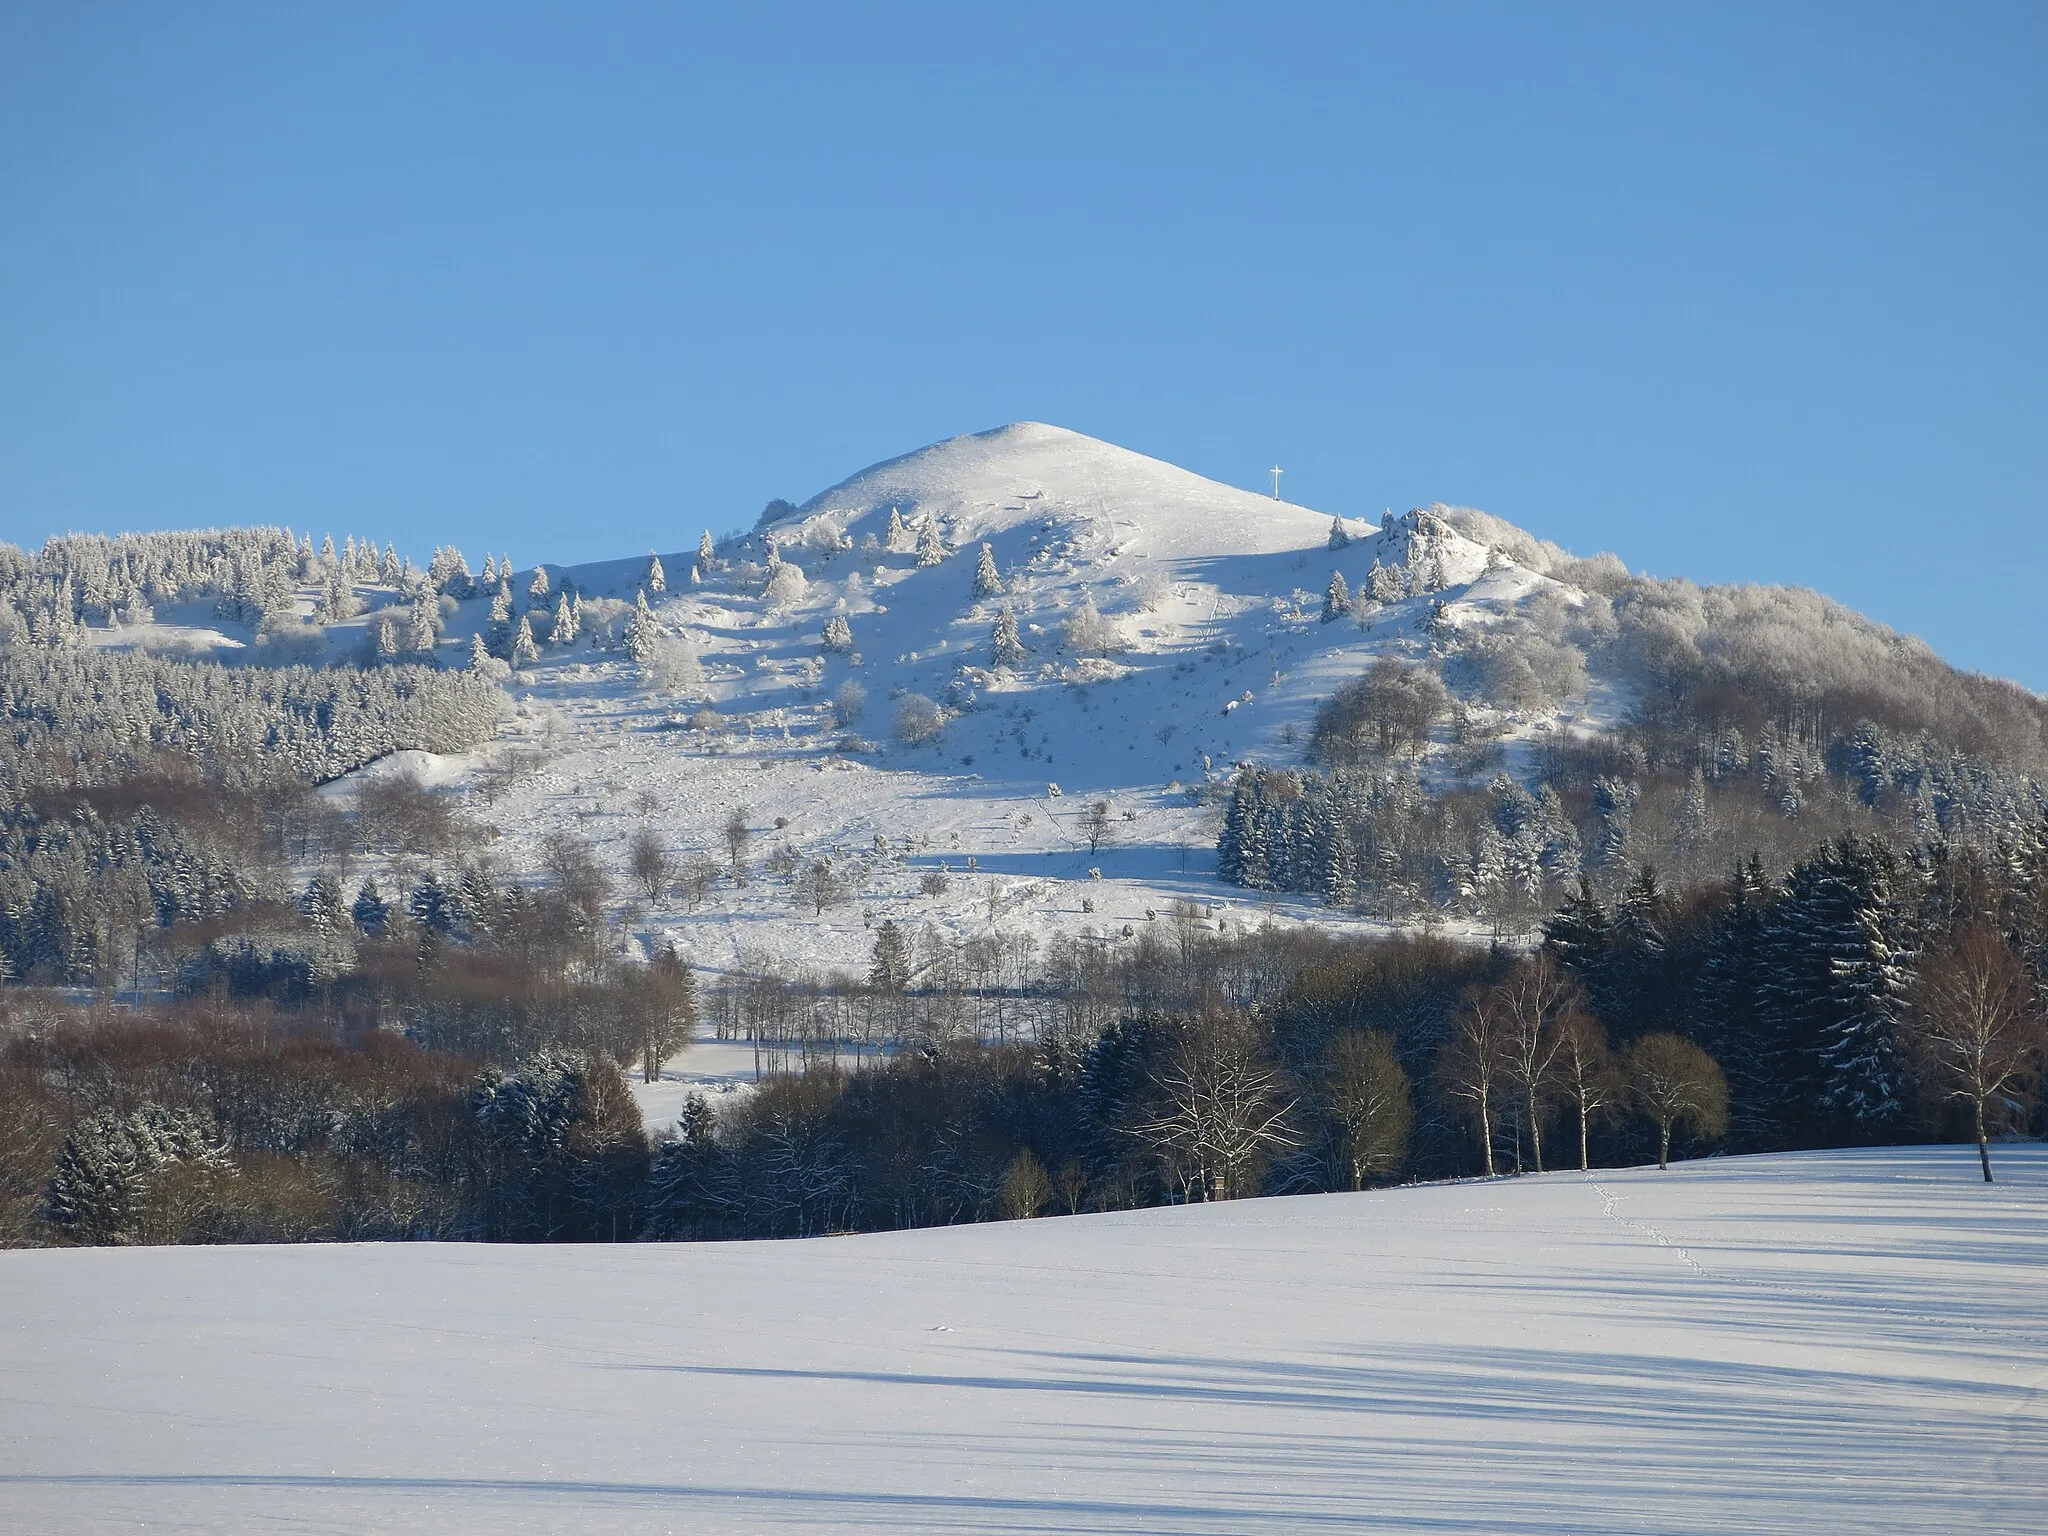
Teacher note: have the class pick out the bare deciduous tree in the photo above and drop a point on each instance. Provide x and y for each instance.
(651, 864)
(819, 885)
(1097, 825)
(1533, 997)
(1366, 1094)
(1673, 1081)
(1474, 1064)
(737, 835)
(1585, 1072)
(1224, 1110)
(1027, 1188)
(1975, 1026)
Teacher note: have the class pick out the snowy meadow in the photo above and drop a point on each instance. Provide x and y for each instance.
(1847, 1341)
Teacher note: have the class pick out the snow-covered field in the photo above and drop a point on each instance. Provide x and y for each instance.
(1852, 1341)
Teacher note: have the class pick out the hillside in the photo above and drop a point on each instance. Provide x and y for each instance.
(1833, 1342)
(1210, 650)
(1172, 726)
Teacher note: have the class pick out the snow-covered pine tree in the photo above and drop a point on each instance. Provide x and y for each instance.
(537, 589)
(1383, 583)
(931, 549)
(987, 582)
(393, 568)
(898, 535)
(641, 630)
(1006, 646)
(423, 625)
(657, 578)
(480, 657)
(568, 622)
(707, 554)
(1336, 598)
(1339, 538)
(524, 652)
(838, 635)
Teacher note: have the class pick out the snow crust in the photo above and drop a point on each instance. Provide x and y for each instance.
(1828, 1342)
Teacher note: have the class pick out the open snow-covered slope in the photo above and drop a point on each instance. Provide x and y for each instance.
(1839, 1342)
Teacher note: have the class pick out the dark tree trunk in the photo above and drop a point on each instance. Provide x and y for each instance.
(1983, 1143)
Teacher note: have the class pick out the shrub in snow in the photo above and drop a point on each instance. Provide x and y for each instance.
(919, 720)
(786, 586)
(1088, 633)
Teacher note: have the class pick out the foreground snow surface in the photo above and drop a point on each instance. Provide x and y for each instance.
(1834, 1342)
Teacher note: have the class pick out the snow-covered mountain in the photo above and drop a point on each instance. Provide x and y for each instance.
(1171, 626)
(932, 672)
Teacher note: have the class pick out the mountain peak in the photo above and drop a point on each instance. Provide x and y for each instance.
(985, 483)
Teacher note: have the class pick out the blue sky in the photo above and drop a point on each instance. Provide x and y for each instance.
(1739, 292)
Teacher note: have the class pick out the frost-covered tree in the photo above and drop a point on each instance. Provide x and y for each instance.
(657, 578)
(1384, 585)
(898, 537)
(1336, 598)
(931, 549)
(786, 584)
(104, 1169)
(987, 581)
(1339, 538)
(524, 652)
(838, 635)
(641, 630)
(537, 589)
(1006, 646)
(423, 624)
(707, 553)
(568, 622)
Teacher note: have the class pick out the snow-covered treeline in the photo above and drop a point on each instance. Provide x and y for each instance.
(71, 713)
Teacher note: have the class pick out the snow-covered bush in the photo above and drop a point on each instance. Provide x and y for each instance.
(786, 586)
(1087, 633)
(919, 720)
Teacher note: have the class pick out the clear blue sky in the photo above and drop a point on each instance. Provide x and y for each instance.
(1739, 292)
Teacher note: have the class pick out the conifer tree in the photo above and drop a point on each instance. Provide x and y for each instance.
(707, 553)
(641, 630)
(1006, 646)
(524, 652)
(987, 582)
(480, 657)
(568, 622)
(898, 535)
(838, 634)
(370, 912)
(537, 589)
(1336, 598)
(930, 548)
(657, 578)
(1339, 538)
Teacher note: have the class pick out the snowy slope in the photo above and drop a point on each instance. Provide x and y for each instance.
(1837, 1342)
(1214, 595)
